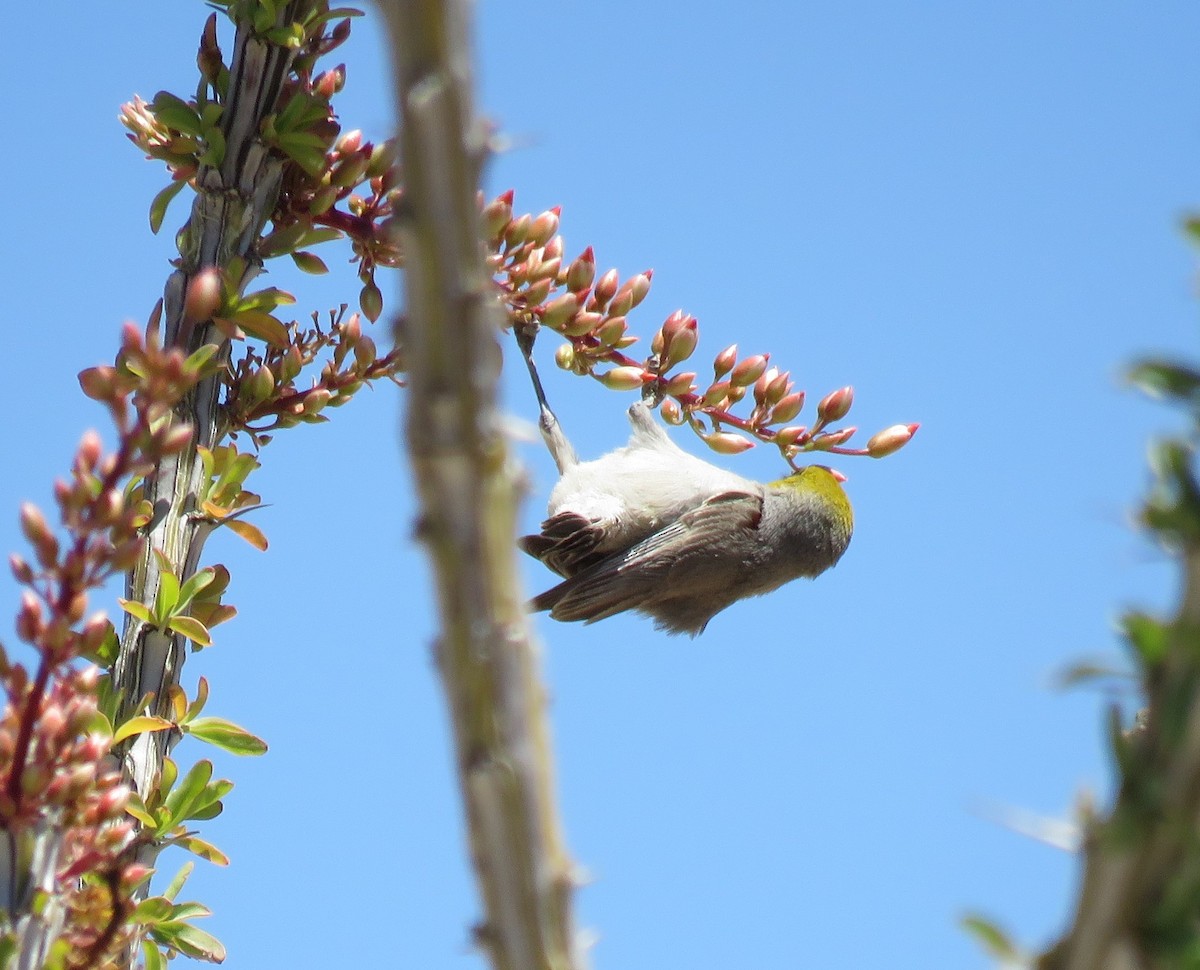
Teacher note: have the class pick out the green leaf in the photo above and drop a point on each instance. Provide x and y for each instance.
(152, 956)
(166, 601)
(191, 941)
(226, 735)
(1146, 635)
(175, 113)
(137, 610)
(194, 585)
(142, 724)
(190, 911)
(310, 159)
(309, 262)
(205, 850)
(153, 910)
(261, 326)
(1166, 378)
(188, 792)
(180, 878)
(137, 808)
(160, 203)
(991, 937)
(197, 705)
(191, 628)
(195, 364)
(107, 651)
(266, 299)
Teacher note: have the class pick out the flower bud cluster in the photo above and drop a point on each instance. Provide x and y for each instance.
(55, 765)
(262, 387)
(540, 287)
(337, 185)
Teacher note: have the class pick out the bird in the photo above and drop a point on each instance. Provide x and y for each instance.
(653, 529)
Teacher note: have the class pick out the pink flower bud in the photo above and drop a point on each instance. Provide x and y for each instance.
(611, 331)
(728, 443)
(582, 323)
(833, 439)
(99, 383)
(559, 310)
(763, 382)
(724, 361)
(681, 383)
(890, 440)
(639, 285)
(623, 378)
(787, 437)
(90, 449)
(788, 407)
(21, 570)
(203, 297)
(680, 342)
(543, 228)
(582, 271)
(606, 288)
(671, 411)
(517, 231)
(350, 142)
(749, 370)
(537, 292)
(716, 393)
(835, 405)
(496, 217)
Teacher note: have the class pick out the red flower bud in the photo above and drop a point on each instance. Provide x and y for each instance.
(890, 440)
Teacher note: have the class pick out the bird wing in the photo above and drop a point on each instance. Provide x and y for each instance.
(639, 575)
(567, 543)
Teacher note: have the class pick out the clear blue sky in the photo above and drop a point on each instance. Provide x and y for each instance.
(968, 211)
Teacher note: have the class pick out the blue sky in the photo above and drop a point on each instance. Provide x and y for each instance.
(968, 211)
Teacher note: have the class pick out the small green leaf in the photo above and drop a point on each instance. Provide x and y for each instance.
(215, 153)
(142, 724)
(991, 937)
(160, 203)
(191, 941)
(137, 610)
(167, 599)
(261, 326)
(135, 808)
(196, 362)
(1165, 378)
(197, 705)
(106, 653)
(180, 878)
(152, 956)
(153, 910)
(191, 628)
(205, 850)
(188, 792)
(194, 585)
(309, 262)
(1147, 636)
(226, 735)
(175, 113)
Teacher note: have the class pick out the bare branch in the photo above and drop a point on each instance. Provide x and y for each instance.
(468, 487)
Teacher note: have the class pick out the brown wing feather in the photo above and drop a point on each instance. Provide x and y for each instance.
(636, 577)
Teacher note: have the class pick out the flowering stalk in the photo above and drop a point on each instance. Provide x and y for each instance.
(258, 144)
(541, 289)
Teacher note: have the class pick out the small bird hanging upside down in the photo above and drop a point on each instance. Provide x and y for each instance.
(651, 528)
